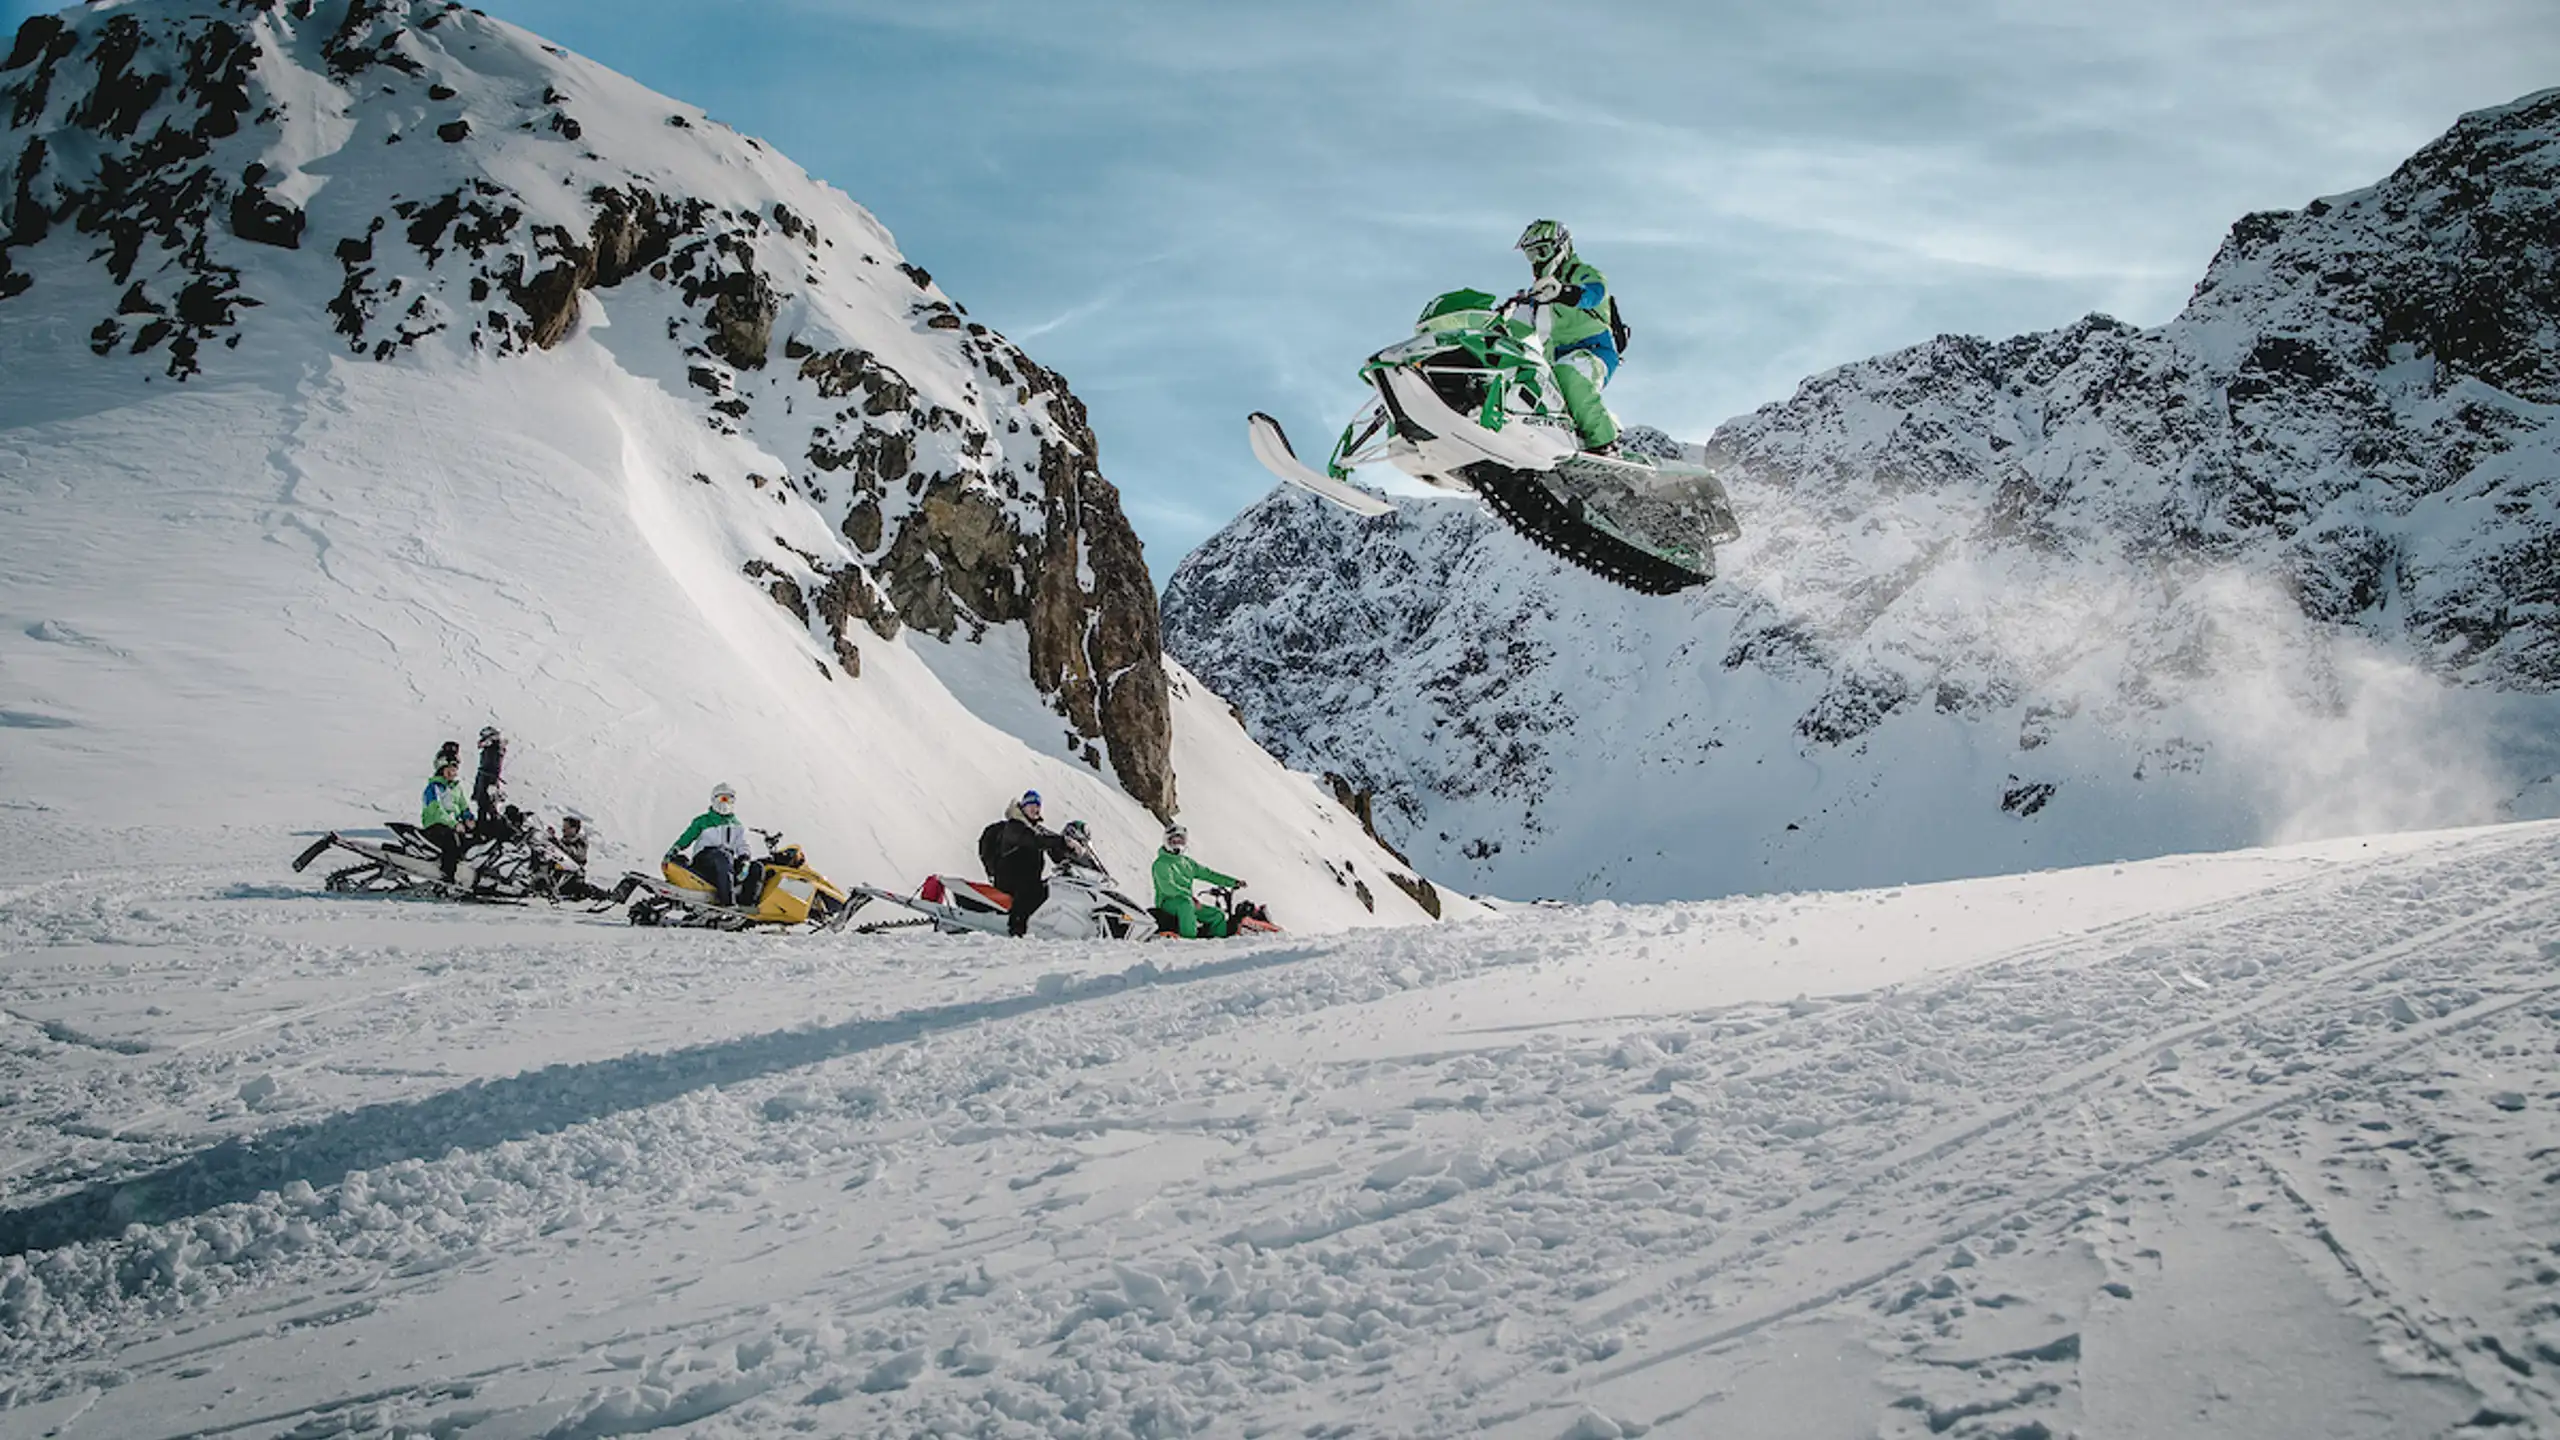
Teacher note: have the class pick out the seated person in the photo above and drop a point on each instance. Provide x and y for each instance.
(1175, 874)
(1079, 848)
(565, 860)
(720, 849)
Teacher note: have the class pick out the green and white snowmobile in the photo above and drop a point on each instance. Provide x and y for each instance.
(1470, 403)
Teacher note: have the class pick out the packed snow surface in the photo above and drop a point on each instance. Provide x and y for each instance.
(2252, 1144)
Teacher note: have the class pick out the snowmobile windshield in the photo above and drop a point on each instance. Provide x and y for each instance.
(1457, 310)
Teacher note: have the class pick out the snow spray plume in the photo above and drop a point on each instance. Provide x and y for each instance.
(2327, 729)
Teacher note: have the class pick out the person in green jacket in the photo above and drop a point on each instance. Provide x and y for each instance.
(1581, 343)
(720, 855)
(441, 811)
(1175, 874)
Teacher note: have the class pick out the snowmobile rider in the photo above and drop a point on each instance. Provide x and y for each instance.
(567, 860)
(1581, 346)
(441, 812)
(571, 838)
(486, 787)
(1175, 874)
(720, 855)
(1079, 840)
(1014, 850)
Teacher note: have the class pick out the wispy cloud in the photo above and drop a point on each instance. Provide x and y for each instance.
(1073, 314)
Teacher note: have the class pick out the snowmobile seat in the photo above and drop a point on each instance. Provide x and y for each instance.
(977, 895)
(1167, 927)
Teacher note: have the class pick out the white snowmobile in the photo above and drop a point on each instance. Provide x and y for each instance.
(1084, 904)
(1470, 403)
(500, 869)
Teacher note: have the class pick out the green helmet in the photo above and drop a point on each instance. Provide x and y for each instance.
(1548, 245)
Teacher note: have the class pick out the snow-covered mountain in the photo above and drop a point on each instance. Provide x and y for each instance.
(370, 370)
(2287, 565)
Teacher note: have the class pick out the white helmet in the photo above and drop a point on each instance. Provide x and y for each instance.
(724, 799)
(1548, 245)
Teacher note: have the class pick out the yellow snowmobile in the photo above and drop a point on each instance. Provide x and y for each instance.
(790, 894)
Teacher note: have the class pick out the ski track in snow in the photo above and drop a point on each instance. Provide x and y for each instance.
(2270, 1161)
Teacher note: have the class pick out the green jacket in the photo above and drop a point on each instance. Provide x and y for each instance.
(1582, 311)
(713, 828)
(443, 803)
(1175, 875)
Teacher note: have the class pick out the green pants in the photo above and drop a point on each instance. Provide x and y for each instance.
(1580, 376)
(1195, 921)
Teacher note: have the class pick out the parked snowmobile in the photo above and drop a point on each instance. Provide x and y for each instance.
(1084, 904)
(791, 894)
(495, 870)
(1244, 917)
(1470, 403)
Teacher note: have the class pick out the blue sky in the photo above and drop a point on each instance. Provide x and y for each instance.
(1194, 208)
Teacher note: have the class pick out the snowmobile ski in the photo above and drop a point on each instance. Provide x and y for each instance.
(1271, 447)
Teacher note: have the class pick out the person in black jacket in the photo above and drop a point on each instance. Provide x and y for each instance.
(484, 787)
(1016, 851)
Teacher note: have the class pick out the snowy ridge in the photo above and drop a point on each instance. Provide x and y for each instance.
(2285, 566)
(376, 371)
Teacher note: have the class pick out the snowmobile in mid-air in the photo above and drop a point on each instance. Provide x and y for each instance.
(1084, 903)
(501, 869)
(1469, 402)
(789, 894)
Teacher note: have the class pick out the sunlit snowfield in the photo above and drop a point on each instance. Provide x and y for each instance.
(2252, 1144)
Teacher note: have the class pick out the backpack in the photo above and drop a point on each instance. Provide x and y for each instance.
(990, 847)
(1618, 331)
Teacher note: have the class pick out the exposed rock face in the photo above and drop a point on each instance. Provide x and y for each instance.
(962, 477)
(2044, 584)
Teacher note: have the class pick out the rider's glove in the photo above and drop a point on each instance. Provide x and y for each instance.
(1546, 290)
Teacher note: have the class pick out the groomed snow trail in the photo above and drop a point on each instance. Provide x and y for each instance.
(2246, 1144)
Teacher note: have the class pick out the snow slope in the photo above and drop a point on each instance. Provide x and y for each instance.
(2286, 566)
(396, 479)
(2241, 1144)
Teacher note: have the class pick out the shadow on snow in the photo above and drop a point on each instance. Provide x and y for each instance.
(485, 1113)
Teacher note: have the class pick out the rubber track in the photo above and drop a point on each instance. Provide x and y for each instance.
(1532, 509)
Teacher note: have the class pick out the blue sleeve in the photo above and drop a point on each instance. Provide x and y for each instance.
(1591, 290)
